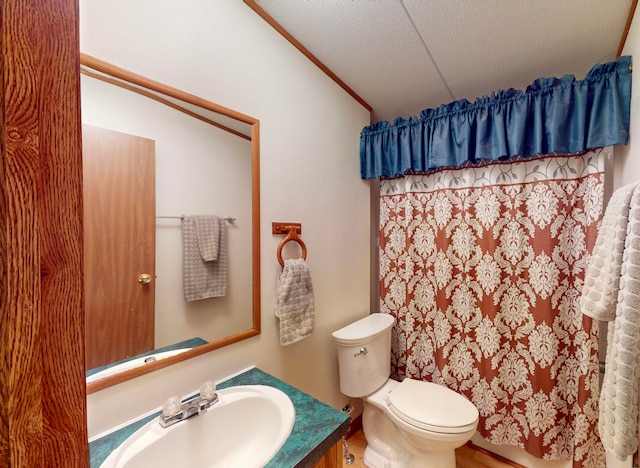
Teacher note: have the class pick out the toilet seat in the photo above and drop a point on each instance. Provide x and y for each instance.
(432, 407)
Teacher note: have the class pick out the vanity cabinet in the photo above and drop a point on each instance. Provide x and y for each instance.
(331, 459)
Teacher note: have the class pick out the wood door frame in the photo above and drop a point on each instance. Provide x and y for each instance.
(43, 392)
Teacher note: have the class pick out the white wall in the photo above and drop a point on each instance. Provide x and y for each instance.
(223, 52)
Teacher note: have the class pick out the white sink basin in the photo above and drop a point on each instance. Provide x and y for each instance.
(133, 363)
(244, 429)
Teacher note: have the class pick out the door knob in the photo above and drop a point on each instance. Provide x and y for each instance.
(144, 278)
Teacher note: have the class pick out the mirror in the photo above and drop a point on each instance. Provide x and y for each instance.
(206, 162)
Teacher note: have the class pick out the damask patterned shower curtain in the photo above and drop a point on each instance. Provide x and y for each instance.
(482, 267)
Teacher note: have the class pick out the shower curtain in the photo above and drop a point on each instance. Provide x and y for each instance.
(488, 213)
(482, 267)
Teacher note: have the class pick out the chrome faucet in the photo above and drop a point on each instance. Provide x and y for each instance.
(175, 410)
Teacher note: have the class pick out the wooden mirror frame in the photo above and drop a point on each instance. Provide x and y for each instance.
(137, 83)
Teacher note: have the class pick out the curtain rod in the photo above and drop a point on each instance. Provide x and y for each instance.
(228, 219)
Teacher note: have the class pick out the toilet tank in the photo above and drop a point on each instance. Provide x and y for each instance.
(364, 354)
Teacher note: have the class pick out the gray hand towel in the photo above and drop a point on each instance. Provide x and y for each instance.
(295, 302)
(204, 257)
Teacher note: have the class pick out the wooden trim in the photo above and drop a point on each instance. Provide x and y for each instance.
(139, 80)
(161, 363)
(161, 100)
(255, 212)
(42, 394)
(284, 33)
(627, 26)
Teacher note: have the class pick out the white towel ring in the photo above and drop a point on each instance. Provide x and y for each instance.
(291, 236)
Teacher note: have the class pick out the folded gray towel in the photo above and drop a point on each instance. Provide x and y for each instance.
(295, 301)
(208, 229)
(204, 257)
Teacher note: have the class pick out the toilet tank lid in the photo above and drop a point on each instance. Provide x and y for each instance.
(364, 329)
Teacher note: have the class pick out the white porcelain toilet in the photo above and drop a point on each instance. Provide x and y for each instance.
(407, 424)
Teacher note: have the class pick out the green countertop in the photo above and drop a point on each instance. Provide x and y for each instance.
(316, 429)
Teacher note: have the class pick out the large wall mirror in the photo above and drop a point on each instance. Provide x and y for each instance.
(153, 157)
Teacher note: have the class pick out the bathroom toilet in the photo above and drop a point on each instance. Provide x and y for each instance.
(407, 424)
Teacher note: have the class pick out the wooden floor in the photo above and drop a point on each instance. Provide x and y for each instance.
(466, 457)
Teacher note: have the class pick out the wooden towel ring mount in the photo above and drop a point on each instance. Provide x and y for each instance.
(292, 230)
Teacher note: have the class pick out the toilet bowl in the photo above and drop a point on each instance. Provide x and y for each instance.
(406, 424)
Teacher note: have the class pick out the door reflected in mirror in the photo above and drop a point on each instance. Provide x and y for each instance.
(201, 159)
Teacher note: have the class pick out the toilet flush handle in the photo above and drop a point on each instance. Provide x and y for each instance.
(363, 352)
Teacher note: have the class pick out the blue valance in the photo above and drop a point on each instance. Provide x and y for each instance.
(554, 115)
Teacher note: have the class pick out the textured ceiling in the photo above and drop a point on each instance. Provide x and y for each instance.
(402, 56)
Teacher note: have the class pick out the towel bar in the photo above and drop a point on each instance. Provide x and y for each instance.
(292, 230)
(228, 219)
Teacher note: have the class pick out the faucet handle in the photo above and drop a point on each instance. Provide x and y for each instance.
(171, 406)
(208, 390)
